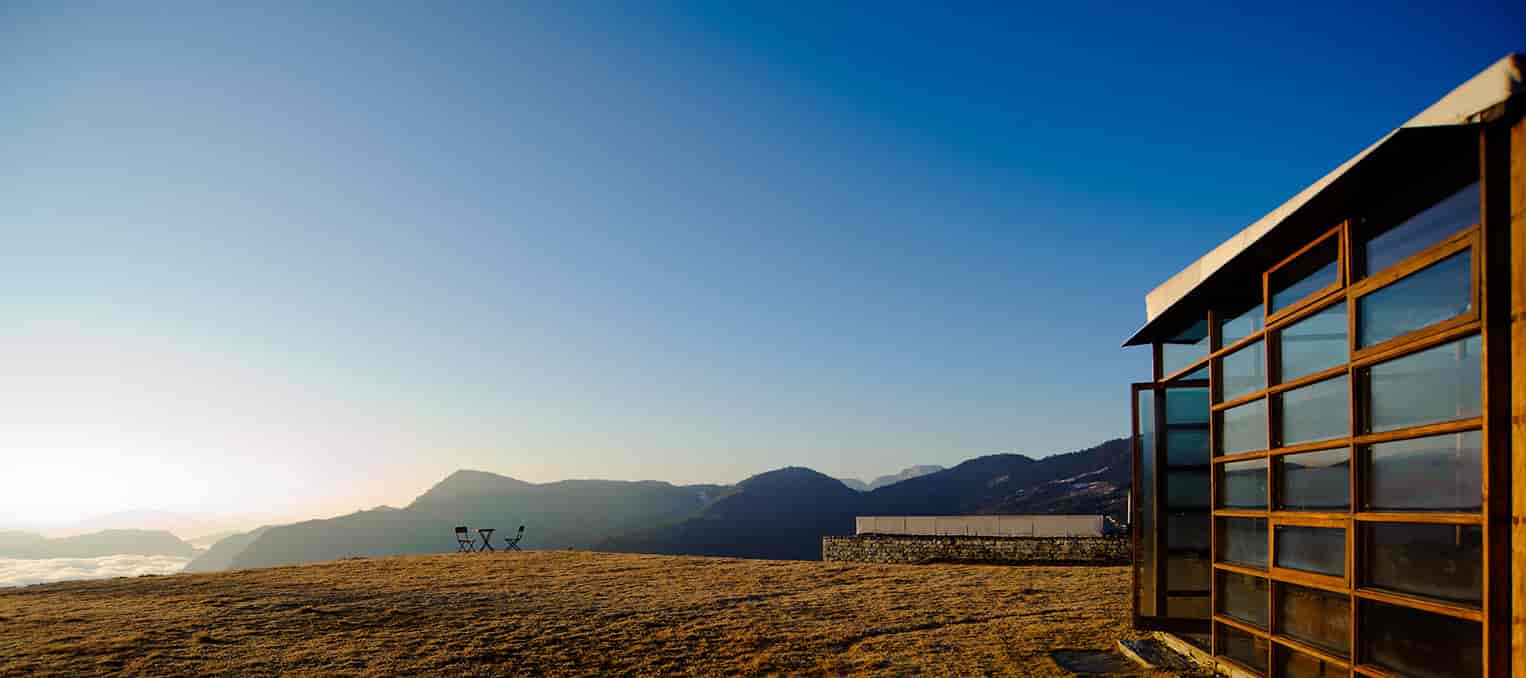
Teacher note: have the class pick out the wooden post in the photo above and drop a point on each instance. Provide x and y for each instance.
(1516, 163)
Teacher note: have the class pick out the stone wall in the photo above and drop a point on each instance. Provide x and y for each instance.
(913, 549)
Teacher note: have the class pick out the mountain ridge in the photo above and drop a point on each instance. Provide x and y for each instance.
(780, 513)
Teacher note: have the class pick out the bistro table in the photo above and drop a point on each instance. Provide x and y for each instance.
(487, 536)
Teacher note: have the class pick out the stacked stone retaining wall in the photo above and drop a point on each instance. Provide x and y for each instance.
(914, 549)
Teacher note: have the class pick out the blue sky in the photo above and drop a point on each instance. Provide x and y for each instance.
(274, 256)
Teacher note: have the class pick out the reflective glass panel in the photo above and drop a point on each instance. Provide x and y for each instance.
(1199, 374)
(1242, 647)
(1315, 616)
(1312, 549)
(1315, 343)
(1145, 503)
(1244, 371)
(1243, 597)
(1190, 607)
(1243, 541)
(1319, 411)
(1292, 664)
(1431, 226)
(1244, 427)
(1184, 349)
(1415, 643)
(1187, 557)
(1186, 446)
(1243, 322)
(1435, 473)
(1187, 488)
(1426, 559)
(1438, 384)
(1244, 484)
(1309, 273)
(1435, 293)
(1187, 405)
(1316, 481)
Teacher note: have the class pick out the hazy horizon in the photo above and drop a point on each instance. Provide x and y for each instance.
(302, 260)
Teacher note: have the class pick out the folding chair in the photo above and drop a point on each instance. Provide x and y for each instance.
(464, 540)
(513, 544)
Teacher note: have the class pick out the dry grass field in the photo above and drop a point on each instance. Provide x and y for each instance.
(567, 613)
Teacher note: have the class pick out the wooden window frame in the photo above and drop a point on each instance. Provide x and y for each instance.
(1467, 241)
(1274, 482)
(1339, 234)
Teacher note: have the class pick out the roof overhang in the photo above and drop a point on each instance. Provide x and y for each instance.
(1443, 124)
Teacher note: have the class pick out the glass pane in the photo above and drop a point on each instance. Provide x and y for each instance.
(1435, 473)
(1188, 531)
(1187, 405)
(1435, 293)
(1188, 570)
(1189, 607)
(1181, 351)
(1292, 664)
(1187, 446)
(1244, 371)
(1316, 481)
(1423, 644)
(1199, 374)
(1243, 322)
(1439, 561)
(1244, 428)
(1319, 411)
(1315, 343)
(1244, 484)
(1244, 541)
(1243, 597)
(1319, 618)
(1187, 557)
(1313, 549)
(1427, 228)
(1187, 488)
(1242, 647)
(1315, 270)
(1145, 503)
(1438, 384)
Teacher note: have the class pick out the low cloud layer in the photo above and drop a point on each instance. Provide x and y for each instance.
(15, 572)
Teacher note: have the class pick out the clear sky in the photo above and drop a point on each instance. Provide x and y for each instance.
(266, 257)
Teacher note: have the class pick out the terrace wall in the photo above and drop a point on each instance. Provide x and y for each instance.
(907, 549)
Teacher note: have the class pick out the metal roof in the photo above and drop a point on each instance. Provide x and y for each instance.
(1462, 106)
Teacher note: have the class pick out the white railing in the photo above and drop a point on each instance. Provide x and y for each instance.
(984, 526)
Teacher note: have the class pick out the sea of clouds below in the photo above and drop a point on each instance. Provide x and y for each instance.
(17, 572)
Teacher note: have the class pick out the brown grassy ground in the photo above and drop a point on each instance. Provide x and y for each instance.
(568, 613)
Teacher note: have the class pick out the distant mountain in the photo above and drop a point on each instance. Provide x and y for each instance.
(220, 555)
(565, 514)
(905, 474)
(780, 514)
(1016, 484)
(94, 545)
(785, 513)
(181, 525)
(854, 484)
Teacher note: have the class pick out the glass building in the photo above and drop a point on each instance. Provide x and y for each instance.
(1323, 457)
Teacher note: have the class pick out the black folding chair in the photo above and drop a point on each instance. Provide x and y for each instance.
(513, 544)
(464, 541)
